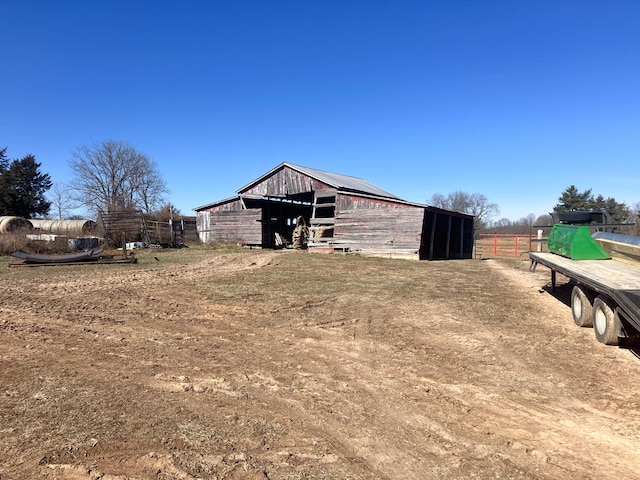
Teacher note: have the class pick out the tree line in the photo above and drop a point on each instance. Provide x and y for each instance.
(107, 176)
(571, 199)
(115, 176)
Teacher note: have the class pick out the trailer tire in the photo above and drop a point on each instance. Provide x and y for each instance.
(606, 323)
(582, 306)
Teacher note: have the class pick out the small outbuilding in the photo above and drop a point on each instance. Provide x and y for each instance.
(343, 213)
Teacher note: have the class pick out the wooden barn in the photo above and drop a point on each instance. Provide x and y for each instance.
(343, 214)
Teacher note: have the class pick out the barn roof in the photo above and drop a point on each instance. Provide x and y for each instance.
(336, 180)
(344, 183)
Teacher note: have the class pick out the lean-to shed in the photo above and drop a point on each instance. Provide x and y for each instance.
(344, 213)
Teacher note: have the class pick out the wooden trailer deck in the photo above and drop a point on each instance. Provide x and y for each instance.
(618, 280)
(603, 275)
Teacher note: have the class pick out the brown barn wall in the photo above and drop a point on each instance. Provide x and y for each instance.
(377, 226)
(285, 182)
(223, 207)
(236, 226)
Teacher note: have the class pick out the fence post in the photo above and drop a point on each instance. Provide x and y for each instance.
(540, 240)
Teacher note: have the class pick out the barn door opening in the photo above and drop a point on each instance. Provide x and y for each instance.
(279, 217)
(446, 237)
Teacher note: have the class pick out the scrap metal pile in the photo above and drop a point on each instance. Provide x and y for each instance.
(95, 256)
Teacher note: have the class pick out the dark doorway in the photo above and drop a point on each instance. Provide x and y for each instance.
(446, 237)
(279, 216)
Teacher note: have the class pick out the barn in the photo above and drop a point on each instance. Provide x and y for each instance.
(343, 213)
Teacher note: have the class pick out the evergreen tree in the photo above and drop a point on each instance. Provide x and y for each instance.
(573, 199)
(620, 212)
(4, 161)
(22, 187)
(4, 166)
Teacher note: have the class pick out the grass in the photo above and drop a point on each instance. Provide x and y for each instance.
(193, 253)
(145, 257)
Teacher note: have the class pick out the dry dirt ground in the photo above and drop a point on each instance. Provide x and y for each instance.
(223, 364)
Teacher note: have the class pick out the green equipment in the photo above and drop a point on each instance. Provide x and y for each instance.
(575, 242)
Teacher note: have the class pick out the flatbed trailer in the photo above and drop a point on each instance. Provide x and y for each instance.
(606, 295)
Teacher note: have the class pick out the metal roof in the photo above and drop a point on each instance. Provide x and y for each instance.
(344, 183)
(336, 180)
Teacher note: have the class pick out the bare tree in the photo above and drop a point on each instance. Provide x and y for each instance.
(502, 225)
(151, 189)
(61, 201)
(529, 220)
(166, 212)
(505, 225)
(635, 216)
(114, 176)
(471, 203)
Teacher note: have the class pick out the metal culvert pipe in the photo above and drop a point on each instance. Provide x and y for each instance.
(617, 237)
(11, 224)
(65, 227)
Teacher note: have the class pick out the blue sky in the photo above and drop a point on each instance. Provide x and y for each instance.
(514, 99)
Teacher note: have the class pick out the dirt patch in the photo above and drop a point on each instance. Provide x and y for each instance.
(281, 365)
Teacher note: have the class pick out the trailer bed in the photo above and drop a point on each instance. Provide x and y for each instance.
(605, 275)
(618, 280)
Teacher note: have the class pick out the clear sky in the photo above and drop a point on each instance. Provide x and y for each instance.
(514, 99)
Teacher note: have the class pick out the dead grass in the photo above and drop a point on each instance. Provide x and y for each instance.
(10, 242)
(221, 362)
(17, 240)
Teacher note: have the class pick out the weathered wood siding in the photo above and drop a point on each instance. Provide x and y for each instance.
(377, 226)
(235, 204)
(358, 222)
(285, 182)
(236, 226)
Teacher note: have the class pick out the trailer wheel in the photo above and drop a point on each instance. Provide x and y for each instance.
(582, 306)
(606, 323)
